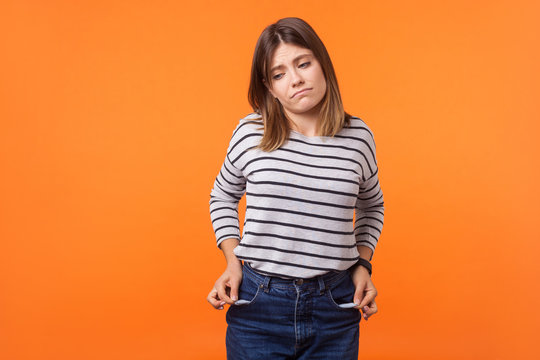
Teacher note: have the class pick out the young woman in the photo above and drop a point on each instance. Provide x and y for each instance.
(308, 169)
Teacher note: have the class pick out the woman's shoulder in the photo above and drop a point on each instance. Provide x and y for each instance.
(248, 130)
(249, 124)
(358, 127)
(251, 119)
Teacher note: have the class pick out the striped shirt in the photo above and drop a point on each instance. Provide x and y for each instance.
(301, 199)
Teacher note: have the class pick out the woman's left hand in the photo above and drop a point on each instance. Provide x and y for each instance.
(365, 293)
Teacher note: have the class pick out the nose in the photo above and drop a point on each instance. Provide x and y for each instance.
(296, 79)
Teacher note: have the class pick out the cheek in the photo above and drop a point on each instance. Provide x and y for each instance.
(321, 79)
(322, 86)
(282, 93)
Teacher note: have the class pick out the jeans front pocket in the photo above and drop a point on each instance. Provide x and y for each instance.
(248, 291)
(341, 293)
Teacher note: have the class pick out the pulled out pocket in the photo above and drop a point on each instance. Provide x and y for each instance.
(248, 292)
(341, 294)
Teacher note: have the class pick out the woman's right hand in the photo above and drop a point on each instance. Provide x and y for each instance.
(225, 289)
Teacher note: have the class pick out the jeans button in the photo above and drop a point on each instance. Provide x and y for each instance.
(299, 281)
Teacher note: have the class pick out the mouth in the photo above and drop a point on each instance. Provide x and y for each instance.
(300, 92)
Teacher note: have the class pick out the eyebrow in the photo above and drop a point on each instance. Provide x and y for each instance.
(295, 59)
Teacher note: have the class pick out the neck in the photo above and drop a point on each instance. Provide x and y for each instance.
(305, 123)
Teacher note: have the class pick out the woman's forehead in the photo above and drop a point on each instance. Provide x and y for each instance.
(288, 49)
(283, 54)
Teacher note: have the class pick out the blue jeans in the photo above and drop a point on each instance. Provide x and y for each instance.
(293, 319)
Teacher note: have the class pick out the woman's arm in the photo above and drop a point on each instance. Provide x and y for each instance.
(225, 289)
(369, 207)
(365, 252)
(369, 219)
(227, 246)
(366, 292)
(229, 187)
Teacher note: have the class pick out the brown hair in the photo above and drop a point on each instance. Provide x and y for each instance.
(292, 30)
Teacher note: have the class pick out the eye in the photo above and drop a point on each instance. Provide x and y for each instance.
(307, 63)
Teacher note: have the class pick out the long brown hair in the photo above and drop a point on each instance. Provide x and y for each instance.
(332, 116)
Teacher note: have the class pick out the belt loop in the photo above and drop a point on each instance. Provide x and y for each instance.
(265, 283)
(321, 285)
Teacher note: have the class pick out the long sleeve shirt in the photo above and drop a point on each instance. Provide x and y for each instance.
(301, 199)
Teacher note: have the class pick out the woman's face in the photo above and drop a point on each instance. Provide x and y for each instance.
(295, 69)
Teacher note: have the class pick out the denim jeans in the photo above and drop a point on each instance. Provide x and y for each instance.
(293, 319)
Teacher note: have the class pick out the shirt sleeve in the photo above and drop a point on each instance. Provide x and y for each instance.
(369, 208)
(229, 187)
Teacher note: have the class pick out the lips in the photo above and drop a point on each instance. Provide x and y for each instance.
(300, 92)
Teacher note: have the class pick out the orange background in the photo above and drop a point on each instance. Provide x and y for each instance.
(115, 119)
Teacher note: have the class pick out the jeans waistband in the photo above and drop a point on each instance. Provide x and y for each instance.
(321, 282)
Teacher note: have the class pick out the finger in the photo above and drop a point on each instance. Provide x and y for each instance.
(222, 293)
(235, 284)
(368, 298)
(358, 295)
(214, 300)
(373, 308)
(370, 310)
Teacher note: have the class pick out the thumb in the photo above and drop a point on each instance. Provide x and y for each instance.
(358, 294)
(235, 284)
